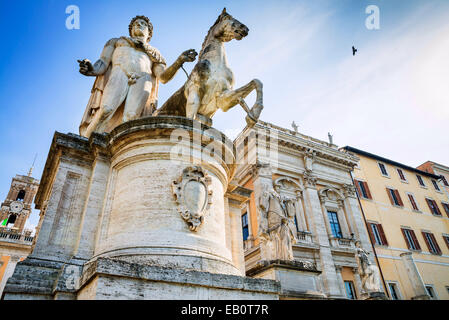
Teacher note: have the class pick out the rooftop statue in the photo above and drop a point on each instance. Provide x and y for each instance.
(128, 72)
(210, 85)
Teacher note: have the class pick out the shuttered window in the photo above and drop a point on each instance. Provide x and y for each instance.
(377, 234)
(446, 207)
(413, 202)
(433, 207)
(435, 185)
(395, 198)
(446, 240)
(431, 243)
(444, 181)
(410, 239)
(420, 180)
(362, 189)
(383, 169)
(401, 175)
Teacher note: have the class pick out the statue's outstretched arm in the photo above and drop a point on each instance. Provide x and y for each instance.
(166, 74)
(99, 67)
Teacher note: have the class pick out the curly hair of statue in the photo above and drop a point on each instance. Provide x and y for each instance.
(147, 20)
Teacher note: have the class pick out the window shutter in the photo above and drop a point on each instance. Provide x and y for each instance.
(382, 235)
(412, 201)
(429, 203)
(359, 192)
(436, 207)
(371, 234)
(396, 192)
(368, 193)
(435, 243)
(427, 242)
(446, 240)
(415, 240)
(405, 238)
(446, 208)
(389, 196)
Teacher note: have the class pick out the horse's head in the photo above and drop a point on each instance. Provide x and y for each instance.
(228, 28)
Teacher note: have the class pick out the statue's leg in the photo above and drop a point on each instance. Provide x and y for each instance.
(193, 102)
(137, 97)
(230, 98)
(114, 94)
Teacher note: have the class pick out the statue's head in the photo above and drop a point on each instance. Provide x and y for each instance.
(358, 244)
(140, 26)
(229, 28)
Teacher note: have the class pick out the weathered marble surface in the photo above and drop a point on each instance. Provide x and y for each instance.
(128, 73)
(111, 197)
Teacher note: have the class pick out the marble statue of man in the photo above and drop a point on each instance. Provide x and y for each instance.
(368, 271)
(279, 232)
(128, 73)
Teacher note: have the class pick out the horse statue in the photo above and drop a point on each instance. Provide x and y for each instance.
(210, 84)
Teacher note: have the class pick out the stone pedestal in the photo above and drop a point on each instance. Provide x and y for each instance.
(374, 296)
(415, 278)
(154, 192)
(298, 280)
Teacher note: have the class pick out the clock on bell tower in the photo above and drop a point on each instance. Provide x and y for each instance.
(16, 208)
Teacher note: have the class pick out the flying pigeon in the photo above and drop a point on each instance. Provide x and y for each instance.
(354, 50)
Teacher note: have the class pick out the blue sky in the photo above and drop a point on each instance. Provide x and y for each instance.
(391, 99)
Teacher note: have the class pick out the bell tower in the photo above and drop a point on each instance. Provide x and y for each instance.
(16, 208)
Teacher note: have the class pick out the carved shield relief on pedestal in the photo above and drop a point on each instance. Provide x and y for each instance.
(193, 195)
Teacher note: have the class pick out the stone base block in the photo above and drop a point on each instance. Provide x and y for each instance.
(374, 296)
(298, 280)
(105, 279)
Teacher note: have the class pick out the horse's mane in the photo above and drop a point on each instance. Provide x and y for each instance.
(221, 16)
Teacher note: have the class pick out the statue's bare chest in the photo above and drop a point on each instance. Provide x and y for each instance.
(130, 57)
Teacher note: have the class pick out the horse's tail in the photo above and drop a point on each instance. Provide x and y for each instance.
(174, 106)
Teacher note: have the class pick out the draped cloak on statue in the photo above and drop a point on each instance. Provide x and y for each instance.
(100, 83)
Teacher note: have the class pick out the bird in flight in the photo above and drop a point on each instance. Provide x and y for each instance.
(354, 50)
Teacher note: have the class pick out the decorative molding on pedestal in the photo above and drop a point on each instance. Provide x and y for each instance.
(193, 195)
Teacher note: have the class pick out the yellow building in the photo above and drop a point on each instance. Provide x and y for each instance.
(406, 211)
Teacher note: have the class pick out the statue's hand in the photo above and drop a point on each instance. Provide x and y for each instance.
(86, 67)
(188, 56)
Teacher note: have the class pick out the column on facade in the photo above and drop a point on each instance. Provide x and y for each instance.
(357, 282)
(314, 210)
(300, 214)
(356, 219)
(415, 278)
(340, 280)
(346, 225)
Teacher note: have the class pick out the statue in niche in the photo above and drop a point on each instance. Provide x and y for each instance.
(277, 229)
(368, 271)
(210, 85)
(127, 73)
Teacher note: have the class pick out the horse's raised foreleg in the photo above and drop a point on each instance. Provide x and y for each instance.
(230, 98)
